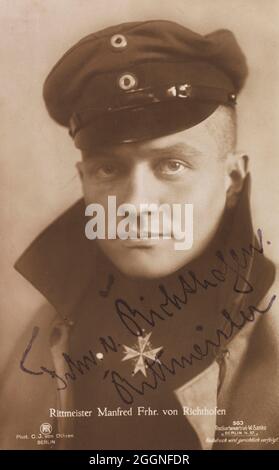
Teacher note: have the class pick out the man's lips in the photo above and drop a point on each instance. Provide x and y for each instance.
(139, 242)
(142, 237)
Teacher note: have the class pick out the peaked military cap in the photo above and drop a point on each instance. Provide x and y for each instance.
(142, 80)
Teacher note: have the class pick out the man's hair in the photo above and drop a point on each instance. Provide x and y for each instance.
(223, 123)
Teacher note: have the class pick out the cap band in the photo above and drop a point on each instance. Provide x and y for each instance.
(147, 96)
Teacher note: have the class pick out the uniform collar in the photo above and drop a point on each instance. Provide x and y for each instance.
(59, 263)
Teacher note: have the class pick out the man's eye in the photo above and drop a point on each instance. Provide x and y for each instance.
(106, 171)
(171, 167)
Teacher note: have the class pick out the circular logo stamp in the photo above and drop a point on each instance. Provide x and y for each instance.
(45, 429)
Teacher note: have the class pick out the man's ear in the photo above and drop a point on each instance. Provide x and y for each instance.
(79, 167)
(236, 171)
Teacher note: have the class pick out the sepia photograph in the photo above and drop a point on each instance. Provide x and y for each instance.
(139, 225)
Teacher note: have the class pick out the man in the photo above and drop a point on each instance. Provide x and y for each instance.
(145, 345)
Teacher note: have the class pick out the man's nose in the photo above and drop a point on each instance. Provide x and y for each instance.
(142, 187)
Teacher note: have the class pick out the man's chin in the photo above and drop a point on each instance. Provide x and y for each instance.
(143, 273)
(149, 268)
(146, 262)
